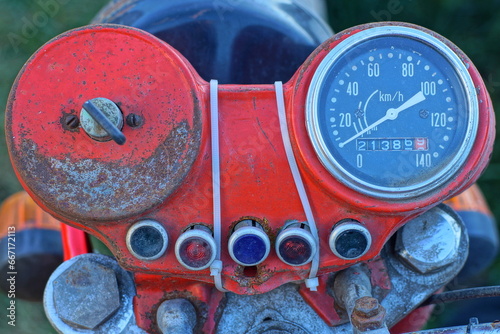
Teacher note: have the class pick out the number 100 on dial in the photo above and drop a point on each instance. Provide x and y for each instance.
(391, 112)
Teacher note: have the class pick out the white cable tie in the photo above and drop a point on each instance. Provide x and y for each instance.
(215, 271)
(312, 282)
(216, 267)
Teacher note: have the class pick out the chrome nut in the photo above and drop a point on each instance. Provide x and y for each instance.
(430, 241)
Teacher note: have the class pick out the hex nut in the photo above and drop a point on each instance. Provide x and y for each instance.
(86, 294)
(368, 314)
(431, 241)
(366, 307)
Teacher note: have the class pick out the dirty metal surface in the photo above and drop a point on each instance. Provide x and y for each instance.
(474, 327)
(151, 293)
(71, 276)
(368, 314)
(84, 180)
(431, 240)
(276, 310)
(176, 316)
(410, 287)
(86, 294)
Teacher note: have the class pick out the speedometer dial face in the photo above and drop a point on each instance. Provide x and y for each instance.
(392, 112)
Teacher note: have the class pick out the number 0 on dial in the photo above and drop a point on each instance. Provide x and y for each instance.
(392, 112)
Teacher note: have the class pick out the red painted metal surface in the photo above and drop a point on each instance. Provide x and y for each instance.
(87, 181)
(414, 321)
(163, 171)
(321, 301)
(152, 291)
(74, 241)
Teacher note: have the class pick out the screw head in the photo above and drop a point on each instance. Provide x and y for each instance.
(71, 122)
(134, 120)
(86, 294)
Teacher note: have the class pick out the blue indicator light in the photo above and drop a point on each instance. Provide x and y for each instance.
(249, 244)
(249, 249)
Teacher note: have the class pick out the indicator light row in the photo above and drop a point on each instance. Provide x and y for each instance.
(248, 244)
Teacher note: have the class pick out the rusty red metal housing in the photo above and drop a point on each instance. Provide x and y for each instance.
(163, 170)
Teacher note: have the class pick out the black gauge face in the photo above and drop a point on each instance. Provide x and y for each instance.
(392, 112)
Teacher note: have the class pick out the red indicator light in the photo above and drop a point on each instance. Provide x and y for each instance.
(295, 245)
(195, 248)
(195, 252)
(295, 250)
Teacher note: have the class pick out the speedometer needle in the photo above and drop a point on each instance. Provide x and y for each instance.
(391, 114)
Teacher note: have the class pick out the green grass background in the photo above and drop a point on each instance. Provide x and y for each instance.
(472, 25)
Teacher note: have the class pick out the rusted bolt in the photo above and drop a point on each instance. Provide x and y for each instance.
(71, 122)
(134, 120)
(366, 307)
(176, 316)
(368, 314)
(86, 294)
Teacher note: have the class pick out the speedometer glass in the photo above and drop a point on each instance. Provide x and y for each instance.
(392, 112)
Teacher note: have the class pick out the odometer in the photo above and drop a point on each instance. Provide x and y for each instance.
(392, 112)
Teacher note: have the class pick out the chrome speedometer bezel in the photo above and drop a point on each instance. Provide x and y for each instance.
(419, 188)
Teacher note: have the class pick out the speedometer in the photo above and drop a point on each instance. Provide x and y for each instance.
(392, 112)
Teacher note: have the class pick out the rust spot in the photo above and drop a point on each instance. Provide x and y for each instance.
(368, 314)
(259, 275)
(262, 221)
(250, 271)
(92, 190)
(79, 278)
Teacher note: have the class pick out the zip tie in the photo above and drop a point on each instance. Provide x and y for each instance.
(312, 282)
(216, 266)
